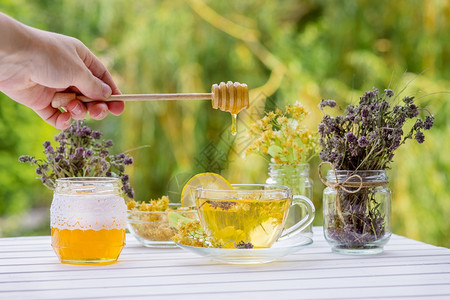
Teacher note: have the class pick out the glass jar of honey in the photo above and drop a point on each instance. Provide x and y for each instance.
(88, 220)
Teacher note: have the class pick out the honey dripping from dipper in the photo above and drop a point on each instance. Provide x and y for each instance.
(231, 97)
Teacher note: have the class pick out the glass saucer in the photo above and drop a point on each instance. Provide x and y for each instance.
(253, 256)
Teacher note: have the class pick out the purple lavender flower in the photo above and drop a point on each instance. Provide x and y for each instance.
(420, 137)
(325, 103)
(364, 112)
(321, 129)
(26, 159)
(46, 144)
(128, 190)
(384, 105)
(367, 97)
(369, 94)
(106, 165)
(400, 121)
(323, 155)
(59, 137)
(104, 153)
(389, 92)
(413, 111)
(350, 109)
(429, 120)
(82, 131)
(79, 152)
(96, 134)
(408, 100)
(363, 142)
(354, 152)
(397, 110)
(419, 124)
(49, 150)
(128, 161)
(349, 118)
(108, 143)
(86, 131)
(350, 137)
(333, 156)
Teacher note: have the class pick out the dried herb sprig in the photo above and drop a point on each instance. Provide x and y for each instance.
(243, 245)
(80, 153)
(224, 205)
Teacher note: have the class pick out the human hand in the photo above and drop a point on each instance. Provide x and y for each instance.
(36, 64)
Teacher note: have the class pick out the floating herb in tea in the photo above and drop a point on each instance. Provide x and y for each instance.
(243, 245)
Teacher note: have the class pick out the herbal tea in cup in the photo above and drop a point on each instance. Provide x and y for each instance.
(253, 214)
(88, 220)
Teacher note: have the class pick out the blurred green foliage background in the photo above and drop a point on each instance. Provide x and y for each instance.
(284, 50)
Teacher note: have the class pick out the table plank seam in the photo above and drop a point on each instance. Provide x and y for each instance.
(259, 290)
(236, 281)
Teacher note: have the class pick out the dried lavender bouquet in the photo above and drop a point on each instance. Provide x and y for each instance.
(81, 153)
(365, 138)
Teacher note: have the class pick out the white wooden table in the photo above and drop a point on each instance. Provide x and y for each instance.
(407, 269)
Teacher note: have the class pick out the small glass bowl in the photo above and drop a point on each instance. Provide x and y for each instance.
(156, 228)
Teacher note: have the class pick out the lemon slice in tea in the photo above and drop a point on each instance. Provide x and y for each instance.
(204, 180)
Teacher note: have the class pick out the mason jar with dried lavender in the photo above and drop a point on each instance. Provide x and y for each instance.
(356, 211)
(360, 146)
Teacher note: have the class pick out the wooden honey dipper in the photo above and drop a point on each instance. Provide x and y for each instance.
(230, 97)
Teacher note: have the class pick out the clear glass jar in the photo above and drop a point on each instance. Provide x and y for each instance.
(296, 177)
(357, 214)
(88, 220)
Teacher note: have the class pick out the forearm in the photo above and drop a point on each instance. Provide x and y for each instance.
(14, 41)
(15, 36)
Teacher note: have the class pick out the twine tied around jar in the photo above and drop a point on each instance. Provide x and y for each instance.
(347, 183)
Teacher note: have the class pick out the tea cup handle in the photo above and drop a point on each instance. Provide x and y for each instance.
(303, 223)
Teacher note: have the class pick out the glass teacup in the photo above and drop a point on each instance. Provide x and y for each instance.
(251, 214)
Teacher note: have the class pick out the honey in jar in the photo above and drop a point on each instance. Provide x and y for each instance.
(88, 220)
